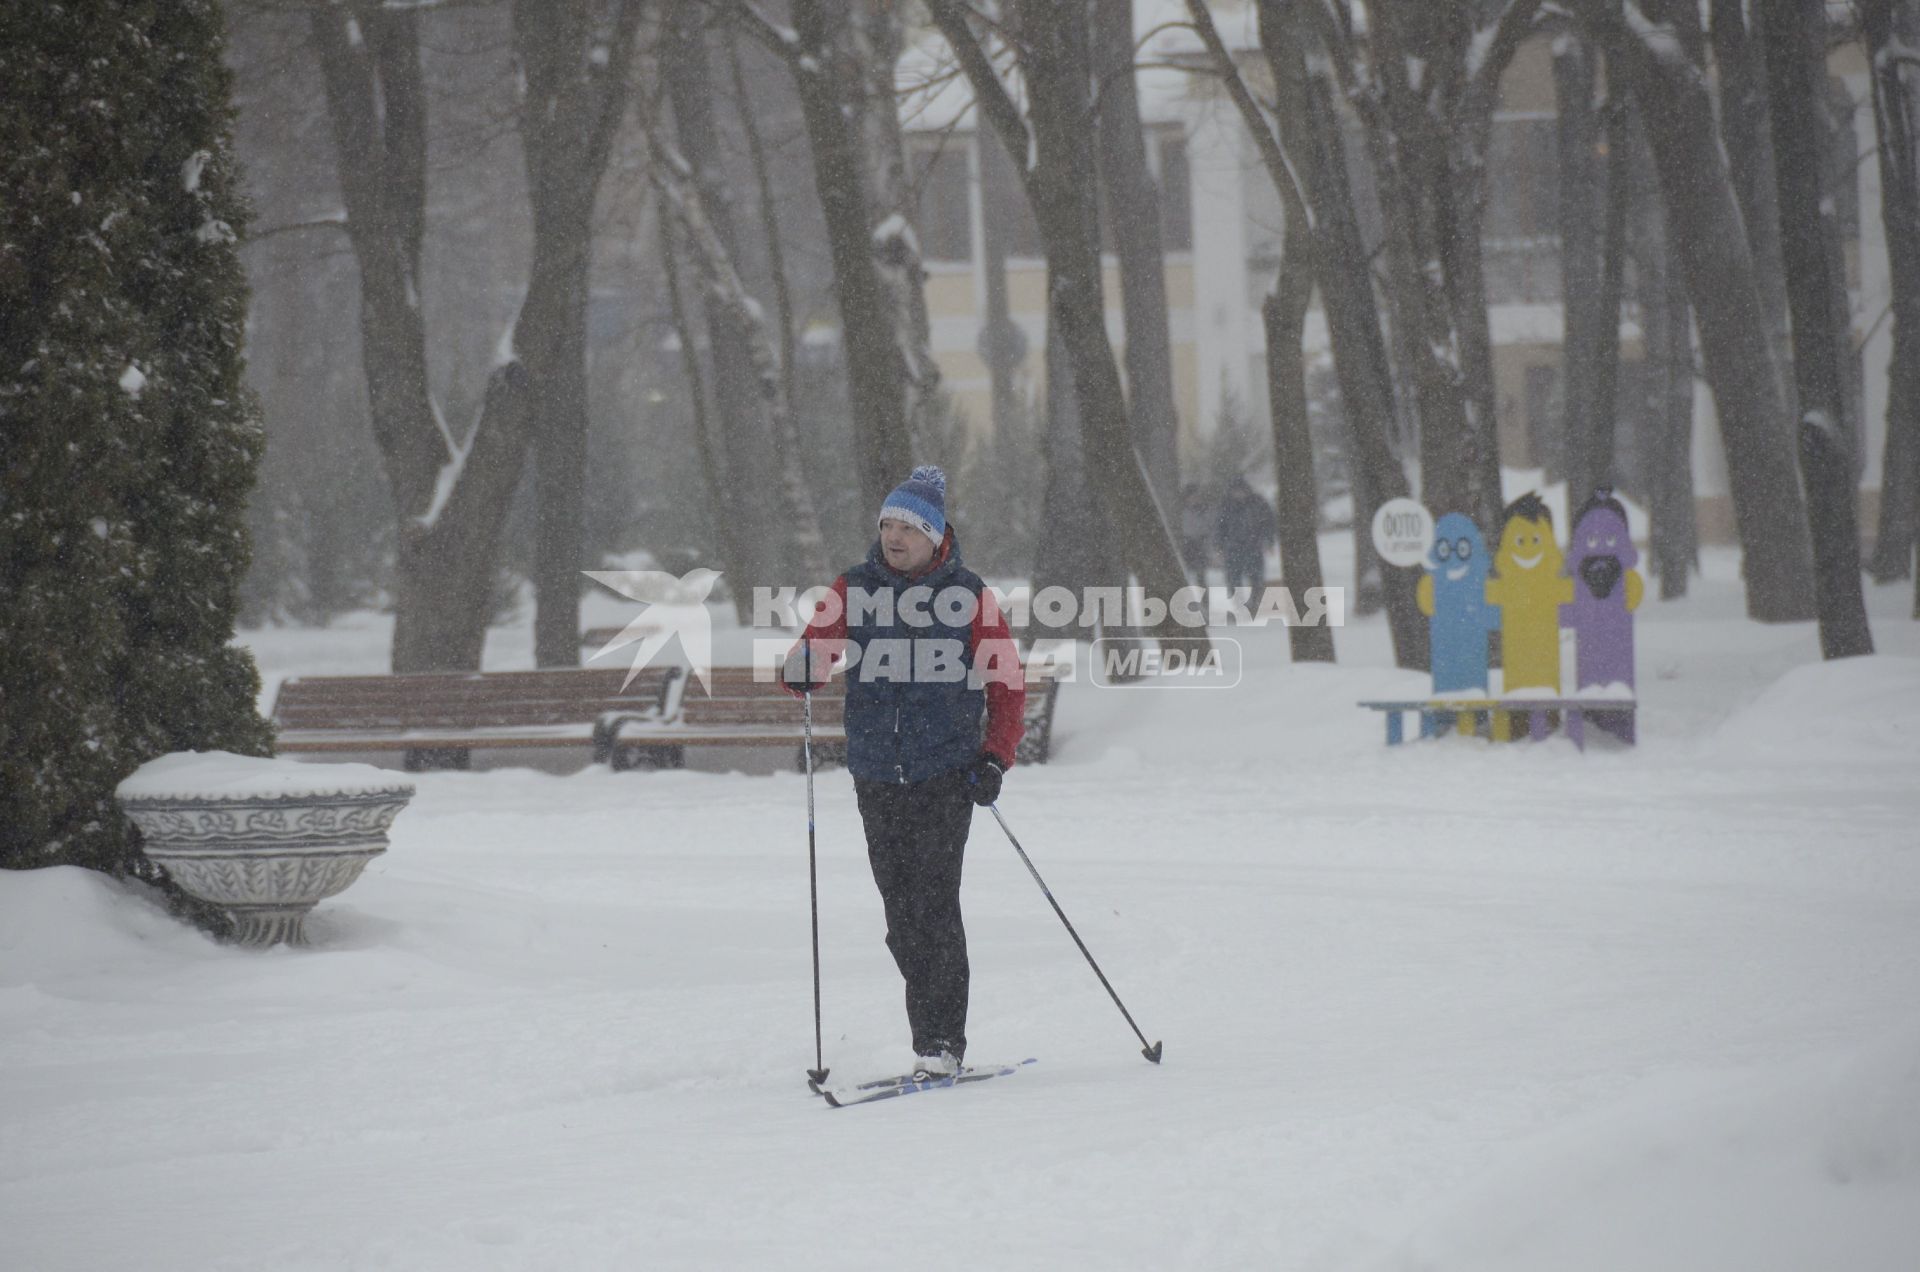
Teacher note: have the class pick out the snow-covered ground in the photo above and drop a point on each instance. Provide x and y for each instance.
(1447, 1006)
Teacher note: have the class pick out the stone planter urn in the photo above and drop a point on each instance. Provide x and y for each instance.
(264, 840)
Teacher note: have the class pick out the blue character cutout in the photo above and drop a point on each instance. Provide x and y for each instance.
(1453, 596)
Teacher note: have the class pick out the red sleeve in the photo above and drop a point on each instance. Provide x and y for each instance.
(826, 632)
(997, 659)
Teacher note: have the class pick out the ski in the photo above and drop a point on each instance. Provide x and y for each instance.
(906, 1084)
(876, 1083)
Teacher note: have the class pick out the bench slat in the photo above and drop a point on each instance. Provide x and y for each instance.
(736, 711)
(419, 741)
(390, 722)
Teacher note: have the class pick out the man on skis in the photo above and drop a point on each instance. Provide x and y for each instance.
(927, 653)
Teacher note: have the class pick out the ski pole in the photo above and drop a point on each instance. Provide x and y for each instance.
(1150, 1050)
(819, 1071)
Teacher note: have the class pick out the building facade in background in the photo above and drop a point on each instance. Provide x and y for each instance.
(1221, 226)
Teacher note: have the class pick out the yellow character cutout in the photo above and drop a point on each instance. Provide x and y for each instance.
(1529, 587)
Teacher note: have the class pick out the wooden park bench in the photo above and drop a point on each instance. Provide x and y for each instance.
(1493, 718)
(596, 638)
(734, 710)
(744, 712)
(439, 718)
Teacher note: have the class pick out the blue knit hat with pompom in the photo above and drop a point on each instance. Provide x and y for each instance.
(921, 502)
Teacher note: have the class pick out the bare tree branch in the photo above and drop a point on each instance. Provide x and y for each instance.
(989, 92)
(1271, 151)
(1496, 45)
(769, 216)
(782, 41)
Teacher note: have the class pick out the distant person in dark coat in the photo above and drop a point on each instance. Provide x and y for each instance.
(1244, 527)
(1195, 517)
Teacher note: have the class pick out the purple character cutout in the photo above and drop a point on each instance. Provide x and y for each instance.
(1606, 591)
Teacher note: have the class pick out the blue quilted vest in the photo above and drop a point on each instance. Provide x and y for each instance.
(911, 712)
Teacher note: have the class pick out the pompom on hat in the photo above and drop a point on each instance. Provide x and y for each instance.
(921, 502)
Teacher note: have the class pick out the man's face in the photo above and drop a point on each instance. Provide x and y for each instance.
(906, 549)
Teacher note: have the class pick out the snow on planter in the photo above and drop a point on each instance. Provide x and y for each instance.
(265, 840)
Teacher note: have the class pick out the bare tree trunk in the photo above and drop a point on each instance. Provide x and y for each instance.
(1794, 33)
(1663, 58)
(730, 302)
(901, 268)
(1411, 171)
(574, 60)
(747, 442)
(1840, 144)
(1284, 315)
(1592, 460)
(1613, 276)
(713, 471)
(830, 72)
(1666, 432)
(451, 496)
(1075, 550)
(1892, 28)
(769, 217)
(1310, 137)
(1425, 79)
(1749, 147)
(1593, 209)
(1134, 201)
(1055, 58)
(1003, 343)
(1577, 132)
(1294, 155)
(1464, 266)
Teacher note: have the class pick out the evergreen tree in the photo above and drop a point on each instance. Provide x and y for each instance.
(129, 439)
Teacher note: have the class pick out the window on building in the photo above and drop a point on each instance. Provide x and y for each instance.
(1169, 148)
(1167, 163)
(1166, 160)
(1004, 201)
(1523, 180)
(942, 209)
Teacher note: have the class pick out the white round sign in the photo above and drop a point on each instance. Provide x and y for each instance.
(1402, 532)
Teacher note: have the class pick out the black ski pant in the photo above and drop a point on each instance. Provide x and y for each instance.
(916, 839)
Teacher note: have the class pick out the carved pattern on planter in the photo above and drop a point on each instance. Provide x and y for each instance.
(278, 821)
(267, 860)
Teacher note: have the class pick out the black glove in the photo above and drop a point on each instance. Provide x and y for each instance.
(804, 670)
(983, 779)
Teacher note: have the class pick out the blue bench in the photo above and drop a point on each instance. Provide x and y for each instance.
(1493, 718)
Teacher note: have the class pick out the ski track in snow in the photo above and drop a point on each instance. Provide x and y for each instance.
(1443, 1006)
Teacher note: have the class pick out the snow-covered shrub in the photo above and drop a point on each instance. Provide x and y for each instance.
(127, 440)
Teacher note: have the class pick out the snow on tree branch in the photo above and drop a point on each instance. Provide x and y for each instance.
(1490, 51)
(1897, 53)
(782, 40)
(449, 475)
(1658, 38)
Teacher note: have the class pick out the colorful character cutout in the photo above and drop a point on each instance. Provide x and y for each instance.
(1606, 591)
(1453, 596)
(1529, 588)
